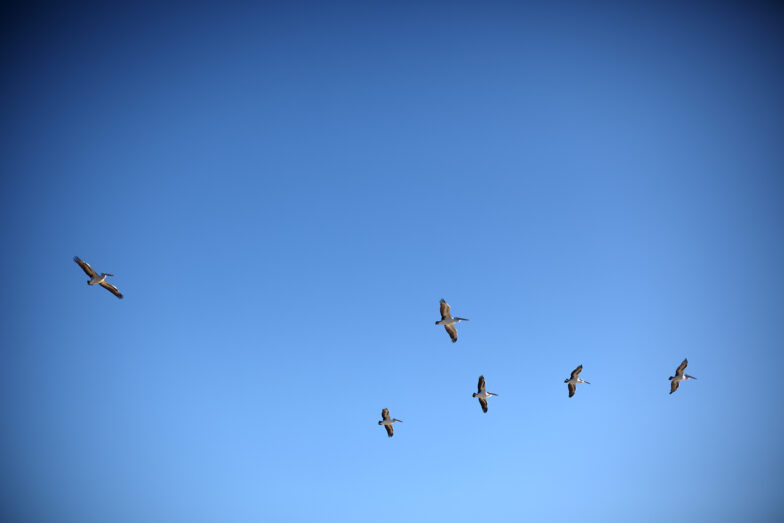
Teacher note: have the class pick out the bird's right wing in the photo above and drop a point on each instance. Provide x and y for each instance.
(681, 367)
(481, 385)
(445, 314)
(483, 403)
(85, 267)
(390, 430)
(674, 385)
(385, 414)
(572, 388)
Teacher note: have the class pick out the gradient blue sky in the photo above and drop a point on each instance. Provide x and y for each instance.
(285, 192)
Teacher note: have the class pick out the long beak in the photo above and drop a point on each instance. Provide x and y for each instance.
(588, 382)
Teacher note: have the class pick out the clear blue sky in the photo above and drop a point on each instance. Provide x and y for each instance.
(284, 193)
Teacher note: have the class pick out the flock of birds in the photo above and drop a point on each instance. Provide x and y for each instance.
(450, 325)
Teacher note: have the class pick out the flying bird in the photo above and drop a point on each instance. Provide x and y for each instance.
(448, 321)
(95, 278)
(574, 379)
(483, 395)
(387, 422)
(679, 376)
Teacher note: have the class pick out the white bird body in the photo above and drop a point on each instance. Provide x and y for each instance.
(387, 422)
(97, 279)
(680, 375)
(573, 380)
(448, 321)
(482, 395)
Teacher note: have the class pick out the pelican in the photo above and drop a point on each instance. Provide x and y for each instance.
(482, 395)
(574, 379)
(388, 422)
(448, 321)
(95, 278)
(679, 376)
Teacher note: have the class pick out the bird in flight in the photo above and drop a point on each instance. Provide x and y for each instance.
(482, 394)
(679, 376)
(387, 422)
(95, 278)
(574, 379)
(448, 321)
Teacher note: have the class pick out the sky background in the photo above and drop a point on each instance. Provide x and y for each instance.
(285, 192)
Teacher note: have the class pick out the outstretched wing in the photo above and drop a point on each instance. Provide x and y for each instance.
(576, 372)
(111, 288)
(681, 367)
(445, 314)
(481, 385)
(452, 331)
(483, 403)
(390, 430)
(385, 414)
(85, 267)
(674, 385)
(572, 388)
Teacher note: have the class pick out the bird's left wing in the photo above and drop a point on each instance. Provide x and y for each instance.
(111, 288)
(674, 385)
(452, 331)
